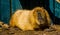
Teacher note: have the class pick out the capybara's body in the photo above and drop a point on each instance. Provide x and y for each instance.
(29, 19)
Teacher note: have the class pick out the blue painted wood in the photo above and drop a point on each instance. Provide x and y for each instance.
(16, 5)
(5, 9)
(56, 7)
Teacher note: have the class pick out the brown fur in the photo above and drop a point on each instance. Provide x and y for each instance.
(28, 19)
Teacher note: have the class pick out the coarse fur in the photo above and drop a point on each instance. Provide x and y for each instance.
(28, 19)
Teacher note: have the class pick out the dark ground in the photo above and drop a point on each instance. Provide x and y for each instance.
(6, 30)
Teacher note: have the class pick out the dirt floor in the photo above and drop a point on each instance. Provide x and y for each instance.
(6, 30)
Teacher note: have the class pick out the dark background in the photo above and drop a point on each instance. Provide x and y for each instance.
(30, 4)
